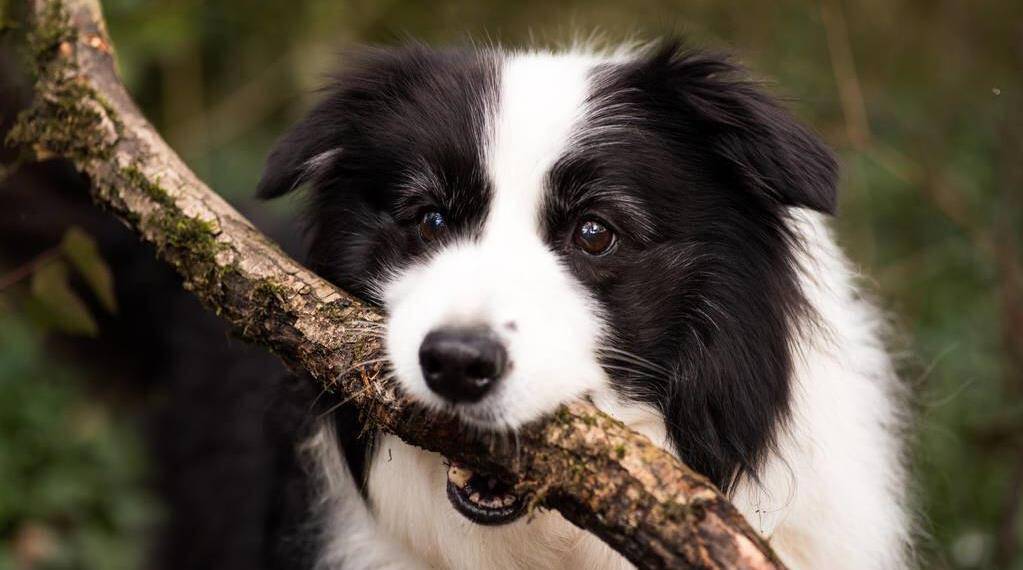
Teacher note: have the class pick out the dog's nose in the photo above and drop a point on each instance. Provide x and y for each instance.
(462, 364)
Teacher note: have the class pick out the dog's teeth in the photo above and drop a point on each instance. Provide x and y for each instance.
(459, 476)
(493, 503)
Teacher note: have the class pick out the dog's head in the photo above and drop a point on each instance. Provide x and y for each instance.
(547, 227)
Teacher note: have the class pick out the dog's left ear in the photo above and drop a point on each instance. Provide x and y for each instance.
(301, 153)
(766, 147)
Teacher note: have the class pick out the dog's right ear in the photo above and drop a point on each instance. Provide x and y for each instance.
(354, 96)
(371, 81)
(306, 150)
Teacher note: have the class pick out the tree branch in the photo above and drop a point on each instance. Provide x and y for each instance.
(599, 474)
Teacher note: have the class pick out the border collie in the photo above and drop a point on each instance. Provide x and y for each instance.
(644, 228)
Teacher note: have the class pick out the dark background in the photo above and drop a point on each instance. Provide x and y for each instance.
(922, 99)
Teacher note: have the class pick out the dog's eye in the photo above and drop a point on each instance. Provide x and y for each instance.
(433, 225)
(593, 237)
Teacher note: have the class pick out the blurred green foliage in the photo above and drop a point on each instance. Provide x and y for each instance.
(71, 474)
(922, 99)
(53, 303)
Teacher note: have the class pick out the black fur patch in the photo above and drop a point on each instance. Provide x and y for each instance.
(694, 168)
(398, 133)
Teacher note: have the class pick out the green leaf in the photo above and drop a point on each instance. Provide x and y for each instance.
(80, 249)
(59, 306)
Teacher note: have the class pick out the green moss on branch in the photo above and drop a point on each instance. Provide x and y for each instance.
(69, 119)
(139, 180)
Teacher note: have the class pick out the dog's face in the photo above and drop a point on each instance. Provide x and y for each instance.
(542, 228)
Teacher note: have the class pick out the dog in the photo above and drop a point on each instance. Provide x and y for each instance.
(644, 228)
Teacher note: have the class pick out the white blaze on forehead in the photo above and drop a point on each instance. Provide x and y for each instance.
(542, 101)
(509, 280)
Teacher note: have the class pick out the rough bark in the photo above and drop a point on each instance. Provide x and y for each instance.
(599, 474)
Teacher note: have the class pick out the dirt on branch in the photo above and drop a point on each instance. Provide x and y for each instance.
(599, 474)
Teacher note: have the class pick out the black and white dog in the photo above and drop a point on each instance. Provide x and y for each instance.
(641, 227)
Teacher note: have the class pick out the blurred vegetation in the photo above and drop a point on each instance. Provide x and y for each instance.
(922, 98)
(71, 472)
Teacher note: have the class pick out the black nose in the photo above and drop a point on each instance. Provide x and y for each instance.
(462, 364)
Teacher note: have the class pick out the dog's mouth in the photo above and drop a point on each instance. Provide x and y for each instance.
(481, 498)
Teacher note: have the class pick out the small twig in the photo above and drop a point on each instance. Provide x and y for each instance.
(249, 103)
(1008, 521)
(849, 91)
(1010, 284)
(938, 191)
(26, 269)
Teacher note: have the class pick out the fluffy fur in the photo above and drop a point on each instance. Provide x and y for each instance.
(724, 323)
